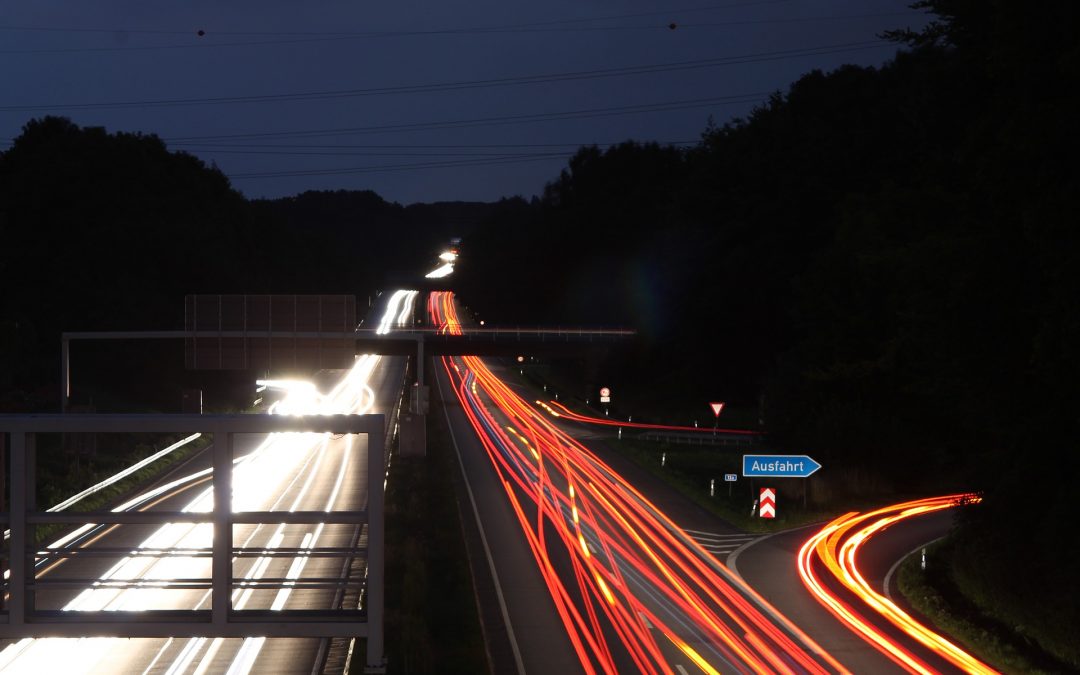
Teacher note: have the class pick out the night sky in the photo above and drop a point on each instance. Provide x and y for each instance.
(286, 97)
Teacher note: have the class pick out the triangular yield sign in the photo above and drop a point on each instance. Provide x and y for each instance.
(716, 408)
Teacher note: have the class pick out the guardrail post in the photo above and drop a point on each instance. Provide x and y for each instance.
(221, 565)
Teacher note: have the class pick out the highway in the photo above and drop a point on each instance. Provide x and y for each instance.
(633, 592)
(839, 582)
(282, 472)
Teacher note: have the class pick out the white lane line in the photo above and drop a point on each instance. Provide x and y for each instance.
(682, 671)
(645, 619)
(896, 565)
(713, 535)
(483, 537)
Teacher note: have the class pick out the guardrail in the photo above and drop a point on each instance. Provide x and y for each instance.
(702, 438)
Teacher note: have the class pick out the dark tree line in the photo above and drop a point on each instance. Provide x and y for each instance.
(889, 255)
(109, 231)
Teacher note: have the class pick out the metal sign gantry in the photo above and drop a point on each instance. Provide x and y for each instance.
(20, 619)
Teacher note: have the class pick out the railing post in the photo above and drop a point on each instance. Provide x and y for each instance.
(221, 565)
(420, 360)
(17, 581)
(376, 478)
(65, 373)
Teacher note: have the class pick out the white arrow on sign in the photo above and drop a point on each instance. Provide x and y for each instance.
(768, 493)
(767, 511)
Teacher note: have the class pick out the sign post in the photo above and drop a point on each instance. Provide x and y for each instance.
(730, 479)
(716, 406)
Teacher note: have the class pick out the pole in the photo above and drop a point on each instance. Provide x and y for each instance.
(16, 604)
(65, 373)
(376, 535)
(221, 560)
(420, 360)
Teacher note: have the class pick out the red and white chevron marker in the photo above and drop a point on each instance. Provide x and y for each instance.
(767, 503)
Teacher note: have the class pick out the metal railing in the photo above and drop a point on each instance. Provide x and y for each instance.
(19, 618)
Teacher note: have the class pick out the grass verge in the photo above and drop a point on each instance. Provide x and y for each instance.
(126, 487)
(935, 595)
(432, 624)
(689, 469)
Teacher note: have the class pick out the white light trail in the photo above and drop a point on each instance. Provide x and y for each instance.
(256, 475)
(440, 272)
(400, 306)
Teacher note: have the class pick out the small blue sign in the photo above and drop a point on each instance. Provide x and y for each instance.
(731, 477)
(778, 466)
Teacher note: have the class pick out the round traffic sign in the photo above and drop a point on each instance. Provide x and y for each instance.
(604, 391)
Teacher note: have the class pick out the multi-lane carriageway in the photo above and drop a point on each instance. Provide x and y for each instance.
(634, 592)
(625, 589)
(280, 472)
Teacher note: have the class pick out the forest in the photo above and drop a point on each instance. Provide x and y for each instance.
(885, 257)
(889, 256)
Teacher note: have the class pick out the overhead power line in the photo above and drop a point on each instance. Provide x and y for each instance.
(409, 146)
(667, 26)
(378, 33)
(418, 151)
(662, 27)
(509, 159)
(459, 85)
(485, 121)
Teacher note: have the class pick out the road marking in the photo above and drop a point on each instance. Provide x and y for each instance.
(713, 535)
(733, 567)
(896, 565)
(645, 619)
(483, 537)
(716, 546)
(682, 671)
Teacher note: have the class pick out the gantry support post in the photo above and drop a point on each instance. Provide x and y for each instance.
(221, 589)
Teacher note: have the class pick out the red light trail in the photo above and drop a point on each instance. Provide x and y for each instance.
(626, 582)
(556, 409)
(836, 547)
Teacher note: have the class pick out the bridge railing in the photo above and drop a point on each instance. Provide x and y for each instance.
(20, 618)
